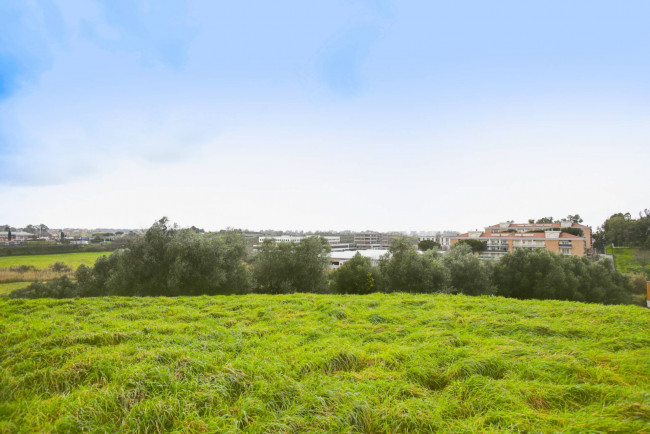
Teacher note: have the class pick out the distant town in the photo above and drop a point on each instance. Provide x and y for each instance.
(567, 236)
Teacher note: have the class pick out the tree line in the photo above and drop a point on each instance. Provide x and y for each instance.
(168, 261)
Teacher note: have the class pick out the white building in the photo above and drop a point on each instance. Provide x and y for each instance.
(296, 239)
(339, 258)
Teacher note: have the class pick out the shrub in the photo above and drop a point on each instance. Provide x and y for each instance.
(468, 274)
(356, 276)
(60, 267)
(166, 261)
(476, 245)
(61, 287)
(281, 268)
(408, 271)
(22, 268)
(545, 275)
(425, 245)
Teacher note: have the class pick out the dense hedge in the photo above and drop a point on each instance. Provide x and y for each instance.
(170, 262)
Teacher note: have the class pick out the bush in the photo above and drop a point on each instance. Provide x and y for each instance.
(425, 245)
(408, 271)
(170, 261)
(468, 274)
(61, 287)
(281, 268)
(166, 261)
(573, 231)
(545, 275)
(356, 276)
(22, 268)
(60, 267)
(476, 245)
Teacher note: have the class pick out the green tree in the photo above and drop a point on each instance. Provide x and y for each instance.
(168, 261)
(545, 220)
(408, 271)
(476, 245)
(292, 267)
(356, 276)
(468, 274)
(574, 218)
(425, 245)
(624, 231)
(545, 275)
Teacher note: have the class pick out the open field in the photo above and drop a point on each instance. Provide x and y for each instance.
(41, 262)
(625, 260)
(6, 288)
(322, 363)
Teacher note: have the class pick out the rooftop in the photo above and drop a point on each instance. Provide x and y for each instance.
(537, 225)
(519, 236)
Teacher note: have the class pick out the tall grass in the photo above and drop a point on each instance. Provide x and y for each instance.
(7, 276)
(626, 261)
(327, 363)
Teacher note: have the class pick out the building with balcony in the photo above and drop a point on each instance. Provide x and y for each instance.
(370, 241)
(500, 243)
(528, 227)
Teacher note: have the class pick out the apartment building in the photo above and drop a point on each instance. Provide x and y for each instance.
(500, 243)
(296, 239)
(527, 227)
(369, 240)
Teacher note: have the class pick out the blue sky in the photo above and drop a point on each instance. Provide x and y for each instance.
(410, 115)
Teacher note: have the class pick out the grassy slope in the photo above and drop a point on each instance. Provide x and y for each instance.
(41, 262)
(322, 363)
(625, 261)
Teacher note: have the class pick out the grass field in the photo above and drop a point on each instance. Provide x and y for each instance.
(322, 363)
(73, 260)
(625, 260)
(42, 262)
(6, 288)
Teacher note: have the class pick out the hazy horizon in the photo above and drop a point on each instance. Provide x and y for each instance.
(360, 114)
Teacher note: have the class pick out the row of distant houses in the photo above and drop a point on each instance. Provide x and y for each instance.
(16, 236)
(20, 237)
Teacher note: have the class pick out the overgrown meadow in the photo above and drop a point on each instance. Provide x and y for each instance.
(307, 362)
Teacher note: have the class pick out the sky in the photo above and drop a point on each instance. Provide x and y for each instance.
(313, 115)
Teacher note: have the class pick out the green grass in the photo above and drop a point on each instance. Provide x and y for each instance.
(328, 363)
(6, 288)
(625, 260)
(73, 260)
